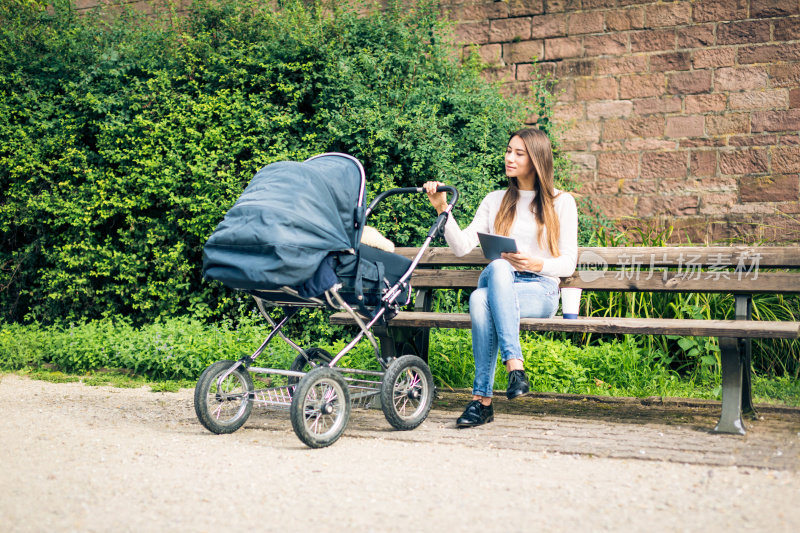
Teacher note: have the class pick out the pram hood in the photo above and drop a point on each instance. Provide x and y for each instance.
(288, 219)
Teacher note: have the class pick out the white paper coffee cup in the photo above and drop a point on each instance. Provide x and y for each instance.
(570, 302)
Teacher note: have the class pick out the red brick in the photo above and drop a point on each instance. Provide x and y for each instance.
(685, 126)
(647, 127)
(585, 22)
(549, 26)
(703, 163)
(596, 4)
(595, 188)
(502, 74)
(769, 188)
(773, 8)
(526, 71)
(648, 106)
(601, 110)
(600, 45)
(638, 86)
(672, 14)
(743, 32)
(617, 165)
(695, 36)
(788, 120)
(640, 145)
(708, 142)
(704, 103)
(503, 30)
(518, 8)
(718, 203)
(559, 6)
(669, 61)
(615, 207)
(728, 124)
(755, 161)
(621, 65)
(794, 98)
(583, 132)
(785, 75)
(566, 112)
(787, 29)
(696, 81)
(595, 89)
(719, 10)
(770, 53)
(625, 19)
(648, 206)
(664, 164)
(523, 51)
(753, 140)
(492, 54)
(477, 12)
(714, 57)
(565, 90)
(774, 99)
(584, 161)
(574, 68)
(740, 79)
(638, 186)
(652, 40)
(562, 48)
(793, 140)
(472, 33)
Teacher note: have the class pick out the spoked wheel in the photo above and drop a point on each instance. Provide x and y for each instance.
(316, 357)
(407, 392)
(320, 407)
(223, 407)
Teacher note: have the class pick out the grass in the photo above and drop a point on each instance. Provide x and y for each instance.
(170, 355)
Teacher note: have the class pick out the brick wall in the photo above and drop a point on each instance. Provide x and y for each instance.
(680, 111)
(683, 112)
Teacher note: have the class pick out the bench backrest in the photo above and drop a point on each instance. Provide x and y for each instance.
(729, 269)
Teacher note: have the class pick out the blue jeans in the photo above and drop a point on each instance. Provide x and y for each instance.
(503, 297)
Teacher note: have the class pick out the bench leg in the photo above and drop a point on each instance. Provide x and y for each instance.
(744, 311)
(732, 387)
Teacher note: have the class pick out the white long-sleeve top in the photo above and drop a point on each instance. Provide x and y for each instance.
(524, 230)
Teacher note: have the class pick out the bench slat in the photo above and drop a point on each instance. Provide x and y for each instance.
(766, 282)
(706, 256)
(645, 326)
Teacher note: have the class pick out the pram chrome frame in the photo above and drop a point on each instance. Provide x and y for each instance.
(327, 390)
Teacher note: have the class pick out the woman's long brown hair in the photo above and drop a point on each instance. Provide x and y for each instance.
(541, 154)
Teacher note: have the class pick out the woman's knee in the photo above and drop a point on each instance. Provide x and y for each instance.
(497, 270)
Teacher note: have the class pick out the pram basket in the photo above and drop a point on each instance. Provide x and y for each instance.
(292, 240)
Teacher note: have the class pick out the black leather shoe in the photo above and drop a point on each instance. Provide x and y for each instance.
(475, 414)
(517, 384)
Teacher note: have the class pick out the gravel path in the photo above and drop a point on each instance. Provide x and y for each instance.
(80, 458)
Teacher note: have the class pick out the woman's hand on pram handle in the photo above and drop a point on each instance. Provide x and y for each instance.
(438, 199)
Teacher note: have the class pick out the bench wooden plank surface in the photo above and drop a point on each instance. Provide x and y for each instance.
(621, 256)
(612, 325)
(763, 282)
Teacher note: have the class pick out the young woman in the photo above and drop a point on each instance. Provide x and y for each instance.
(544, 223)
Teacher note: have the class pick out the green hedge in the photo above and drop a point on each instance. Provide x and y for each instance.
(125, 138)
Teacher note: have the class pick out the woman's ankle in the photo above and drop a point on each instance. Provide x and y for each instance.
(485, 401)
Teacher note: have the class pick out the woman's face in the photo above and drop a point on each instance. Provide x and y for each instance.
(518, 162)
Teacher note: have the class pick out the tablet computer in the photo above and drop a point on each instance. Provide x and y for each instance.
(494, 245)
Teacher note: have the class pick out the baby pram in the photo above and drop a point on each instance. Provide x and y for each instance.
(292, 240)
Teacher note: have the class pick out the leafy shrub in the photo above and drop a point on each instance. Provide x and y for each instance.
(125, 138)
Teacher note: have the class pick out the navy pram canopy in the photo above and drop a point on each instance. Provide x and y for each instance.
(289, 218)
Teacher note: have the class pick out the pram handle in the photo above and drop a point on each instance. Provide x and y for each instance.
(413, 190)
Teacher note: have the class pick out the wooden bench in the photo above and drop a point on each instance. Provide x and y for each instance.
(740, 271)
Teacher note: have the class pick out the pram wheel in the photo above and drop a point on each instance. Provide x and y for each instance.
(316, 357)
(407, 392)
(224, 409)
(320, 407)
